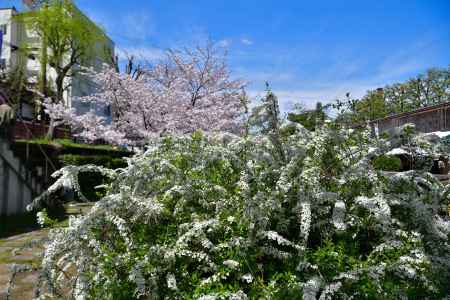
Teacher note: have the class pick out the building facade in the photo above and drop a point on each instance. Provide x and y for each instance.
(12, 37)
(15, 36)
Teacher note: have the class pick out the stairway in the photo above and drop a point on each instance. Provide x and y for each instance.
(19, 184)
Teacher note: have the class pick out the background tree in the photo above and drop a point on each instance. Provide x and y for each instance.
(310, 119)
(265, 119)
(427, 89)
(68, 39)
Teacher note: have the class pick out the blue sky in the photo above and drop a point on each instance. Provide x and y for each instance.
(308, 50)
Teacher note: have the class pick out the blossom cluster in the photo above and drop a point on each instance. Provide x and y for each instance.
(223, 217)
(189, 90)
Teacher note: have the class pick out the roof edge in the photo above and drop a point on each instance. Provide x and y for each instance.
(9, 8)
(417, 111)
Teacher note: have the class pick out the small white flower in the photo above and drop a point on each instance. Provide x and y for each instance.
(247, 278)
(171, 282)
(41, 218)
(232, 264)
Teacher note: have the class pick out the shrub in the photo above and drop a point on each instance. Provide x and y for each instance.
(227, 218)
(98, 160)
(387, 163)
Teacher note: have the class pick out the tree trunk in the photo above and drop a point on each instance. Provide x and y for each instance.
(43, 73)
(51, 130)
(59, 98)
(59, 88)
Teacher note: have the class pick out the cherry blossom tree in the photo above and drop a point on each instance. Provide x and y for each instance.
(191, 89)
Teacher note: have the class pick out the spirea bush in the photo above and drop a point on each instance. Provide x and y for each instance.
(230, 218)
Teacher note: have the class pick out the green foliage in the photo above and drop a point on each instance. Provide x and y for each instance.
(310, 119)
(68, 38)
(71, 146)
(387, 163)
(98, 160)
(14, 83)
(423, 90)
(44, 220)
(265, 119)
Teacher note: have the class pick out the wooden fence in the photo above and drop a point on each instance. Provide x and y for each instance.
(427, 119)
(24, 129)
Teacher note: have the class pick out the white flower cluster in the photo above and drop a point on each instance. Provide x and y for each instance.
(205, 218)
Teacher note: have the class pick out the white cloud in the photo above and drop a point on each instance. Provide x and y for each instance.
(133, 25)
(259, 77)
(137, 25)
(310, 96)
(224, 43)
(246, 41)
(141, 53)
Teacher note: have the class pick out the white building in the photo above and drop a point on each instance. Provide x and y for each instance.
(12, 37)
(15, 35)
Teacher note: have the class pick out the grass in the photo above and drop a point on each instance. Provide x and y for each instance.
(68, 144)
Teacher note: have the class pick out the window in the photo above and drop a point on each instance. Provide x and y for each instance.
(3, 28)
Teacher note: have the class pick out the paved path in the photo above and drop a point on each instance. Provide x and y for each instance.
(20, 258)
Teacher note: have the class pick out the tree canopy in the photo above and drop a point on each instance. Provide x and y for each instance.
(68, 39)
(430, 88)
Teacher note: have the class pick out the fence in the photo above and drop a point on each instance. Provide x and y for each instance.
(428, 119)
(24, 129)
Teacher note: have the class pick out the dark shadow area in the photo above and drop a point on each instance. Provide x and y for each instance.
(14, 225)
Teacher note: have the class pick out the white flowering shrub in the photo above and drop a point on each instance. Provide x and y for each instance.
(44, 220)
(231, 218)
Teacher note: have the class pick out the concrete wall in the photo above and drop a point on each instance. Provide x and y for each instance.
(17, 185)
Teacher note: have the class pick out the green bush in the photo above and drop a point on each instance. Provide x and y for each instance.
(98, 160)
(387, 163)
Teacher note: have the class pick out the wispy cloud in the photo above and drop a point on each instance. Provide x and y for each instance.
(224, 43)
(259, 77)
(309, 97)
(246, 41)
(141, 53)
(131, 26)
(404, 62)
(138, 25)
